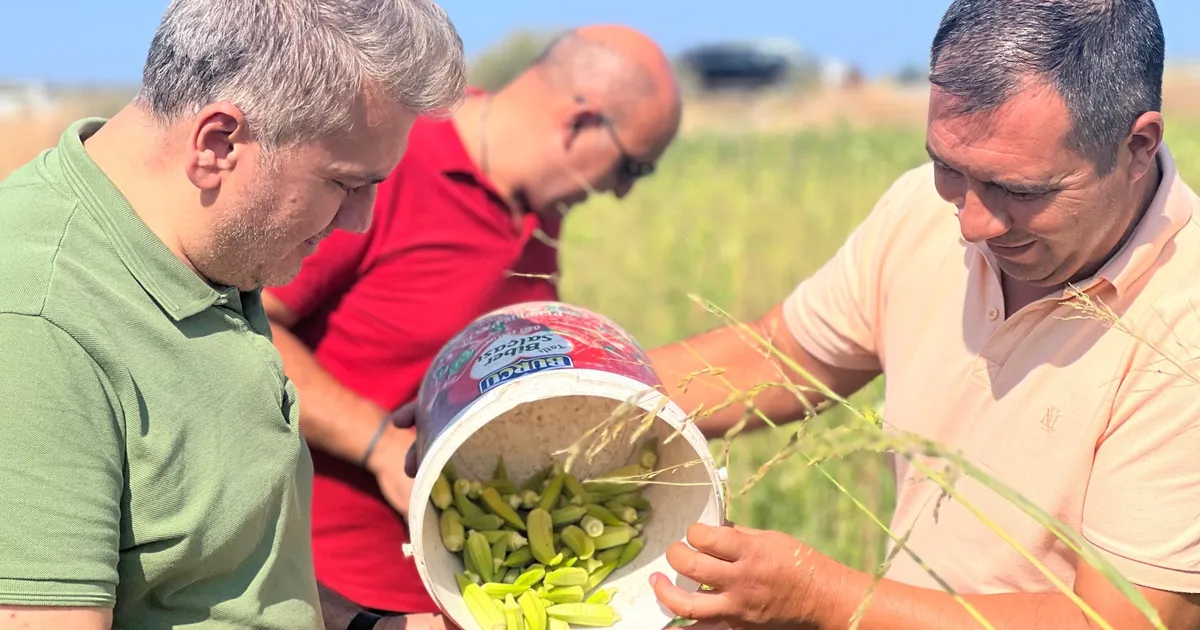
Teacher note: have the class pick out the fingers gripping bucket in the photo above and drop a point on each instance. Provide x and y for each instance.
(529, 382)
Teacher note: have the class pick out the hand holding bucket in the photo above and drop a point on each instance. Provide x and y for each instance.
(405, 417)
(541, 383)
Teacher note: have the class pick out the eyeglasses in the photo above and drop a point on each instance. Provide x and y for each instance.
(629, 168)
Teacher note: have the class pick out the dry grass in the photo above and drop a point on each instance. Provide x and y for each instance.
(871, 105)
(25, 137)
(864, 106)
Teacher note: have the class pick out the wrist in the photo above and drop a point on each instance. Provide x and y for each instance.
(370, 452)
(844, 590)
(820, 587)
(373, 421)
(364, 620)
(390, 449)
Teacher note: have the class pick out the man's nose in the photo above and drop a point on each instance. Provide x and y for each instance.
(355, 213)
(623, 188)
(979, 223)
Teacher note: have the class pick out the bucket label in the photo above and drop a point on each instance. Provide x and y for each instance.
(523, 367)
(518, 342)
(510, 349)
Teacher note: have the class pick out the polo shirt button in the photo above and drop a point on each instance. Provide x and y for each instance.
(993, 313)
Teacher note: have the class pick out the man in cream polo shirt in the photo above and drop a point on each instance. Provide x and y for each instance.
(1048, 176)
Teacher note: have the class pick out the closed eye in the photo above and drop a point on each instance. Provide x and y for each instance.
(347, 187)
(1021, 195)
(940, 168)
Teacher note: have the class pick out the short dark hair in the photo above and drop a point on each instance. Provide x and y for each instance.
(1104, 57)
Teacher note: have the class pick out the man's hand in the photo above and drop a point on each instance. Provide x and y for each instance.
(387, 463)
(416, 622)
(406, 418)
(770, 581)
(762, 580)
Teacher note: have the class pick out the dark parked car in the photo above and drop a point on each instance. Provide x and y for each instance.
(745, 65)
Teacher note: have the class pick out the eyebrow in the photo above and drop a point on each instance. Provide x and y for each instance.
(1025, 187)
(356, 175)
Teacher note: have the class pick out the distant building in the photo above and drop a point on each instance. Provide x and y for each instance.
(17, 99)
(838, 73)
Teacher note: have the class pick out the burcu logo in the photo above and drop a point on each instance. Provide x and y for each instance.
(523, 367)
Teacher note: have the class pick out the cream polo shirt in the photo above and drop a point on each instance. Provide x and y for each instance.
(1093, 425)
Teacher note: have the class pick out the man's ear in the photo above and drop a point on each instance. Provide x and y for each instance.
(1145, 138)
(216, 142)
(582, 115)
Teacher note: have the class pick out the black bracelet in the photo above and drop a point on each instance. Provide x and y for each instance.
(374, 440)
(363, 621)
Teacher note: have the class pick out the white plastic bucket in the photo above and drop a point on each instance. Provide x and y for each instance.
(528, 381)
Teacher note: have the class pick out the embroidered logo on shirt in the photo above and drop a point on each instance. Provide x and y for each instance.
(1050, 420)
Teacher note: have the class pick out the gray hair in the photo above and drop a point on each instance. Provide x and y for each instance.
(296, 67)
(1104, 57)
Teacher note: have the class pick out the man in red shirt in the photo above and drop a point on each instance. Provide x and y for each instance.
(468, 222)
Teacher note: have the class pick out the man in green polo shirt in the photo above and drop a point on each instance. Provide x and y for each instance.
(154, 475)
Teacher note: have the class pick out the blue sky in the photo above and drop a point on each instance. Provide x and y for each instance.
(90, 41)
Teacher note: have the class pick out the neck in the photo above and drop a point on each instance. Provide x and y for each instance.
(1144, 197)
(484, 122)
(121, 149)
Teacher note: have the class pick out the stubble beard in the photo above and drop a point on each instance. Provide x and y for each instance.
(244, 250)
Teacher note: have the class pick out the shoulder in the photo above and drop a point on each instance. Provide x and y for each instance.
(420, 178)
(433, 146)
(36, 216)
(56, 261)
(912, 201)
(1161, 322)
(911, 221)
(1169, 295)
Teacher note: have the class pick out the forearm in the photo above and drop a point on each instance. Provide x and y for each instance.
(729, 361)
(332, 418)
(54, 618)
(685, 370)
(897, 606)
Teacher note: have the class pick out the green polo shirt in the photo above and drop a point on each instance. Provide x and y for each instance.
(150, 458)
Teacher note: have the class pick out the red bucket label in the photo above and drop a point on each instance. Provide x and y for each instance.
(518, 341)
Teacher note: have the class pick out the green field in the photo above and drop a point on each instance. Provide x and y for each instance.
(739, 221)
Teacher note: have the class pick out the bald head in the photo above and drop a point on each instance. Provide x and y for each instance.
(618, 68)
(593, 114)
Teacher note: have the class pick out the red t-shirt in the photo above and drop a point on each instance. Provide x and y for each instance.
(375, 308)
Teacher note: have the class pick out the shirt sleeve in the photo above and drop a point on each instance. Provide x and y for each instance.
(62, 462)
(835, 313)
(1142, 507)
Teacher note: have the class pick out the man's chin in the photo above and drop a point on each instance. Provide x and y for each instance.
(1034, 276)
(287, 269)
(282, 275)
